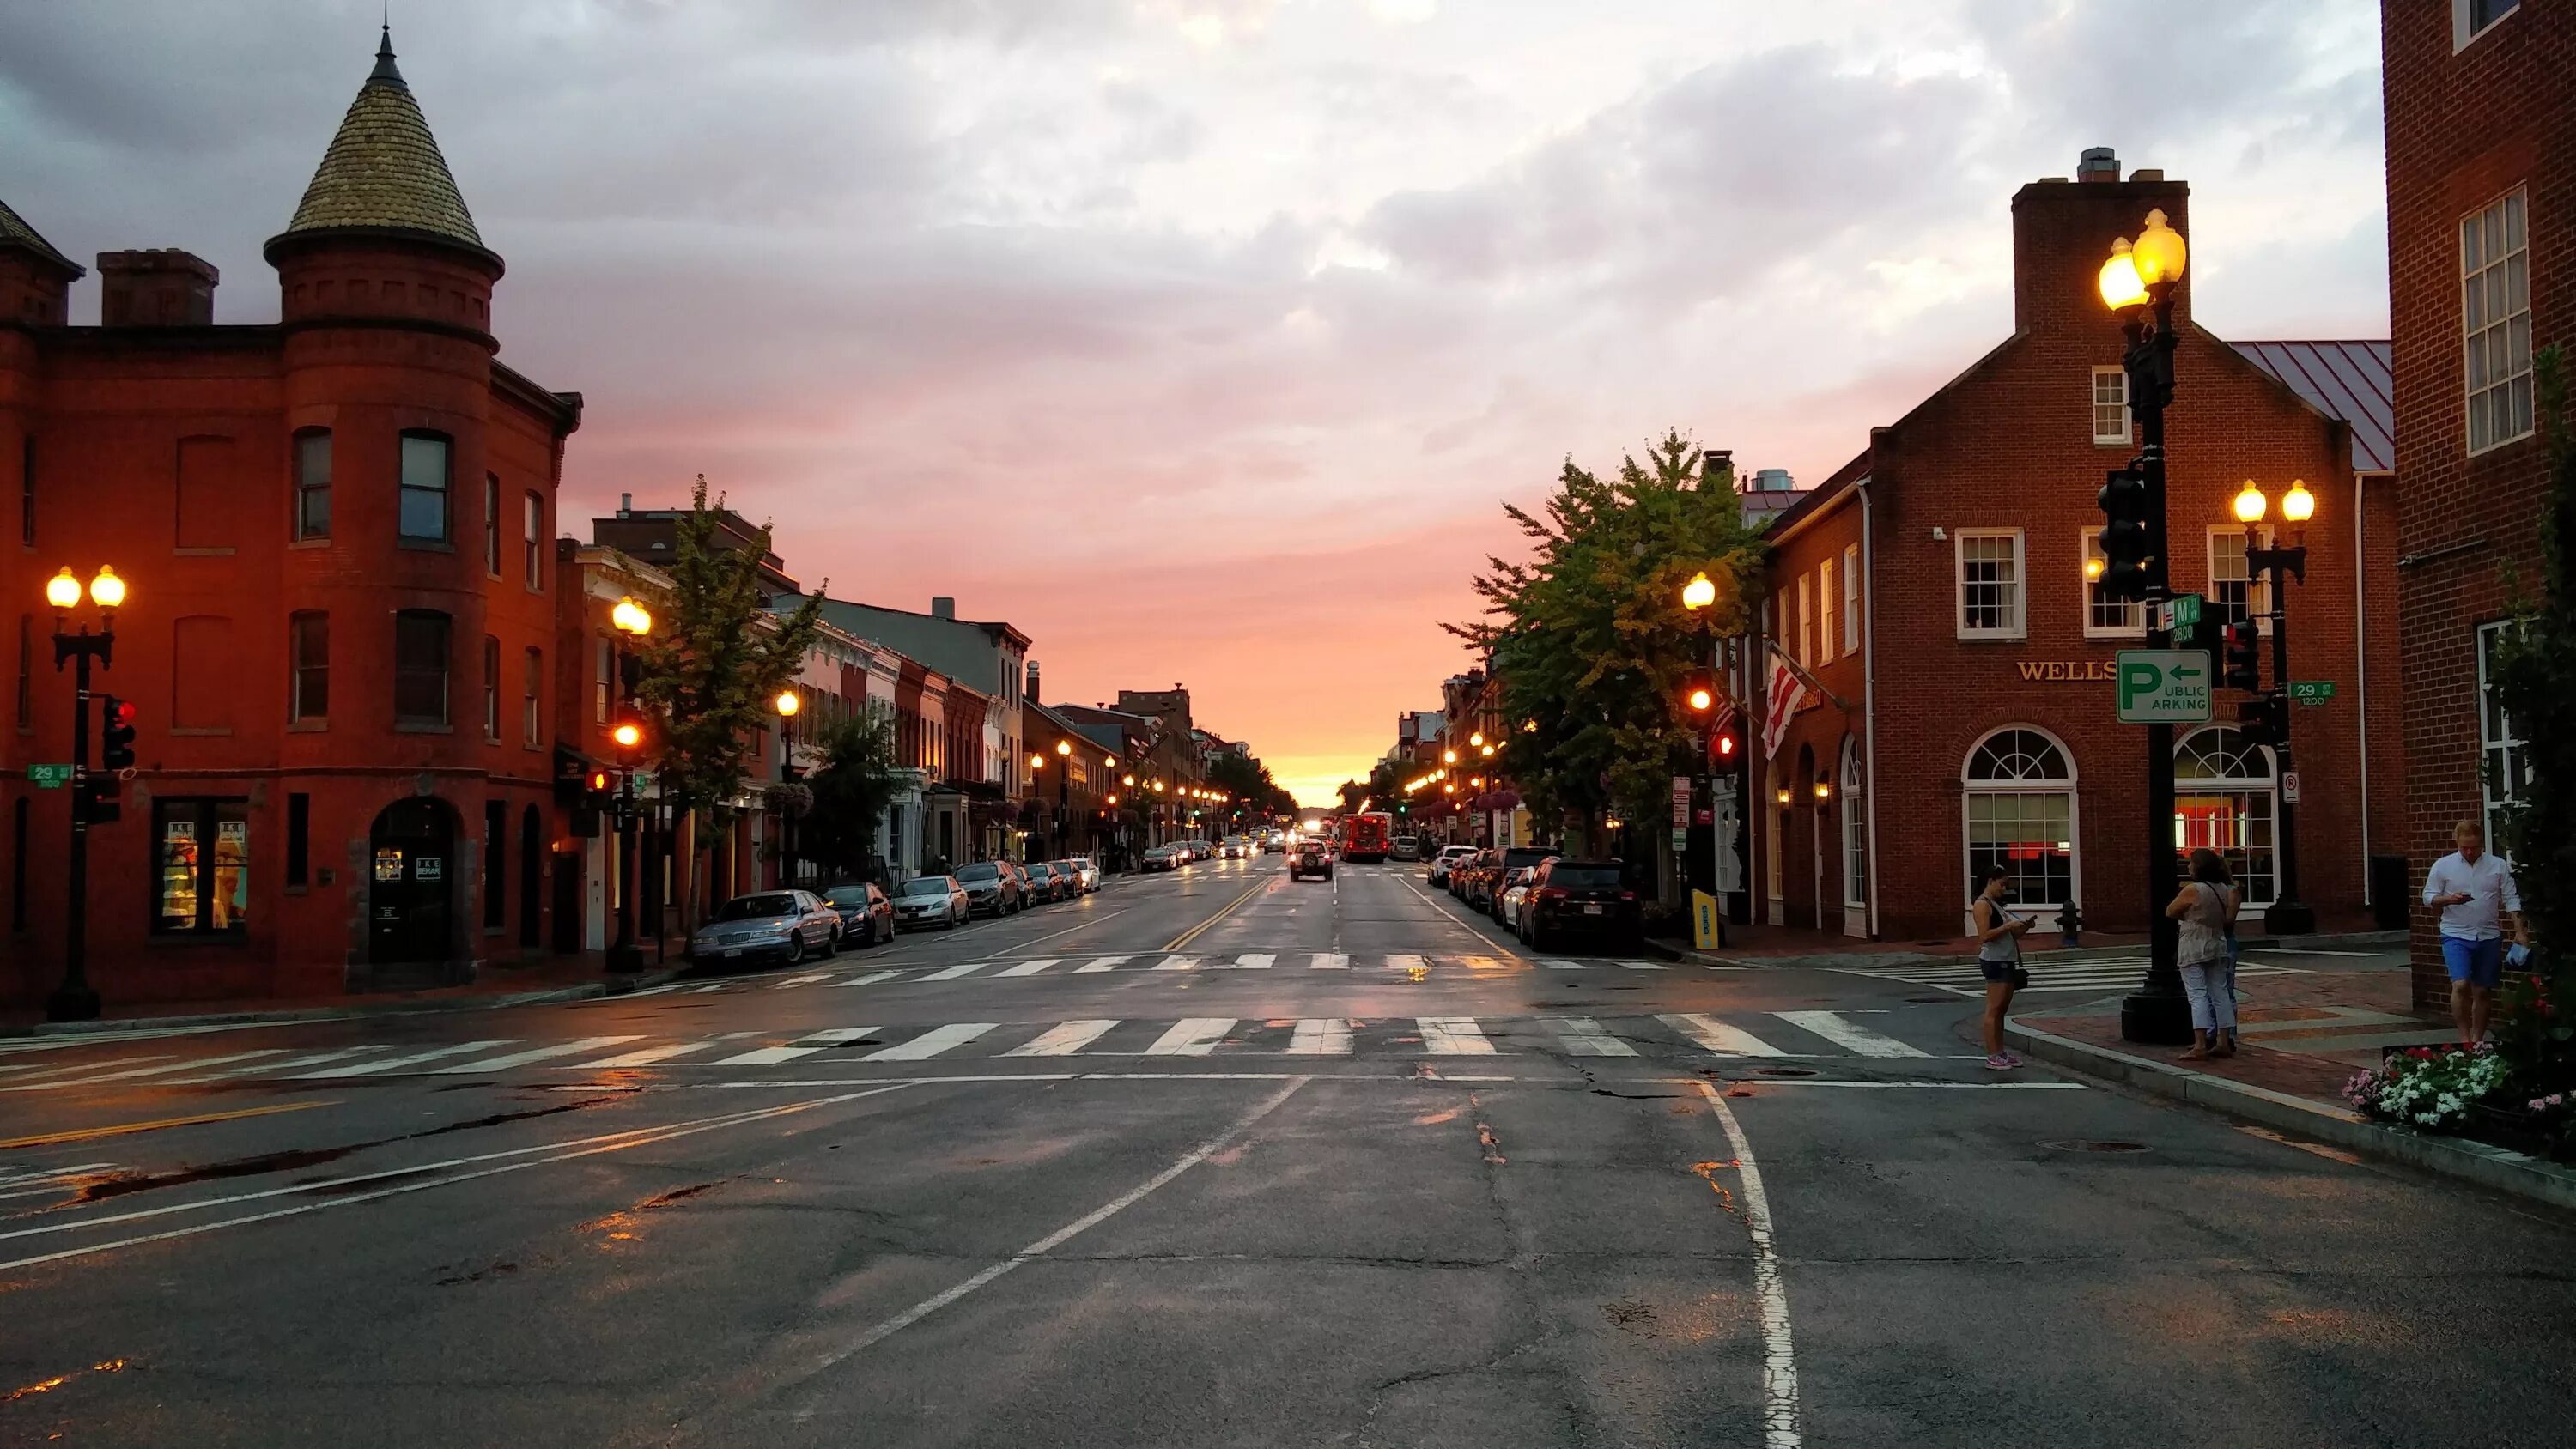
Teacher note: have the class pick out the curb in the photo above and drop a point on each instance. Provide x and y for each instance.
(584, 992)
(2495, 1167)
(1823, 961)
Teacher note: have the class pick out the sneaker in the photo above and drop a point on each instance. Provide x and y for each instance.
(2002, 1062)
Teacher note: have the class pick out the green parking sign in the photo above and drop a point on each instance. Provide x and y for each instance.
(2163, 686)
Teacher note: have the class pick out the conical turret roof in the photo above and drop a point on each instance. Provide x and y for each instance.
(14, 232)
(384, 170)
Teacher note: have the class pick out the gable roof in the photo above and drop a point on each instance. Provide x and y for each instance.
(2345, 380)
(14, 231)
(383, 170)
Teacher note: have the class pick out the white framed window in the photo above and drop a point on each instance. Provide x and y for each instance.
(2473, 18)
(1990, 583)
(2107, 618)
(2495, 321)
(1851, 598)
(1806, 624)
(1855, 827)
(2234, 594)
(1825, 611)
(2225, 800)
(2018, 811)
(2111, 407)
(2504, 766)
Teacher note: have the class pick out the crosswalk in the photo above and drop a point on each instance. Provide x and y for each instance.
(2093, 973)
(1751, 1035)
(1415, 965)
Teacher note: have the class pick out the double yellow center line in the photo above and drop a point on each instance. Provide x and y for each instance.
(1194, 932)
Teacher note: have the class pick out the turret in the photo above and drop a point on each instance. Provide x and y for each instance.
(35, 279)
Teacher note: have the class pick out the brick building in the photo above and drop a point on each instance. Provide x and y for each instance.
(338, 532)
(1934, 592)
(2482, 274)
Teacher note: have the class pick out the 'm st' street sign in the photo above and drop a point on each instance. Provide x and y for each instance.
(2163, 686)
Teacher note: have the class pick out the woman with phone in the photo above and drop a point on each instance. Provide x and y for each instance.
(1999, 934)
(2204, 906)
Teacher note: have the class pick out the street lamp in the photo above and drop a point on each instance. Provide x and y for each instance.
(634, 621)
(2137, 283)
(1063, 801)
(1699, 593)
(2268, 714)
(74, 1000)
(787, 704)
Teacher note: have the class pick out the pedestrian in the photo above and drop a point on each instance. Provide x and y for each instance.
(1999, 934)
(2202, 907)
(2235, 903)
(2475, 891)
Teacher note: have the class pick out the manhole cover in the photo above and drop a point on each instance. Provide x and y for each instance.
(2086, 1144)
(1786, 1072)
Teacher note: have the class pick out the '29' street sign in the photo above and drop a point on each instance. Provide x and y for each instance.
(2163, 686)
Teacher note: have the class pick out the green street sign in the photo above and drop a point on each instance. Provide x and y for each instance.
(50, 777)
(2163, 686)
(2311, 691)
(2186, 609)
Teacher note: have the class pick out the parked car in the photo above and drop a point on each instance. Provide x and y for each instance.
(1507, 908)
(1448, 857)
(766, 926)
(1311, 857)
(1045, 884)
(1467, 879)
(1405, 847)
(931, 900)
(1518, 857)
(993, 888)
(1587, 898)
(1161, 857)
(867, 917)
(1085, 875)
(1018, 875)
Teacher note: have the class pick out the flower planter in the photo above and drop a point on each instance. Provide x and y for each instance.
(2510, 1127)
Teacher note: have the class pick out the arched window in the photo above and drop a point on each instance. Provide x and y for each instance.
(2019, 812)
(1855, 824)
(2225, 800)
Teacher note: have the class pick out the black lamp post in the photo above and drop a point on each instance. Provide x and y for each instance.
(75, 999)
(787, 704)
(2288, 915)
(630, 619)
(2138, 283)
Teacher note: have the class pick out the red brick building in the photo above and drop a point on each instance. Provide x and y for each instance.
(2482, 274)
(337, 531)
(1934, 590)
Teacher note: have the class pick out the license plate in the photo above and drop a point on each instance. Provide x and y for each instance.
(1591, 910)
(733, 950)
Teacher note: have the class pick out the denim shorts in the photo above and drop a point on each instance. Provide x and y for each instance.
(2479, 963)
(1996, 971)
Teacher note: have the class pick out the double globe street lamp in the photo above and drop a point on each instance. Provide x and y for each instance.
(74, 999)
(634, 621)
(2269, 713)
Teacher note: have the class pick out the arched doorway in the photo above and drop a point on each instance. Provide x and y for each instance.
(532, 864)
(2018, 811)
(2226, 800)
(411, 888)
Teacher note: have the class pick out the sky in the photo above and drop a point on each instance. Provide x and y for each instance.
(1203, 339)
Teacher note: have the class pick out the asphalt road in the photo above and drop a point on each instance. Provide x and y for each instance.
(1217, 1160)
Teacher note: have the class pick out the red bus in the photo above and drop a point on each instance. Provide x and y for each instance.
(1366, 836)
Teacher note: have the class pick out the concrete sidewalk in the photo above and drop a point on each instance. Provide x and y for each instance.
(1777, 946)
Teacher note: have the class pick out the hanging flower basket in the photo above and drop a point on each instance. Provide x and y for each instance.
(795, 801)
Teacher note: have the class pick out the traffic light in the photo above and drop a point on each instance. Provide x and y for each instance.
(2242, 665)
(2264, 720)
(115, 733)
(599, 789)
(1722, 746)
(2128, 534)
(1699, 692)
(97, 798)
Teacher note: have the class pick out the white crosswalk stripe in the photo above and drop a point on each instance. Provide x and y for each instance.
(1453, 1036)
(1715, 1035)
(262, 1069)
(1835, 1028)
(1320, 1036)
(2092, 973)
(1193, 1036)
(804, 1046)
(1254, 961)
(1064, 1039)
(130, 1073)
(1406, 963)
(1103, 963)
(1177, 963)
(1560, 964)
(807, 979)
(652, 1054)
(387, 1064)
(869, 979)
(1329, 961)
(1644, 965)
(962, 968)
(1585, 1037)
(1031, 968)
(533, 1054)
(932, 1042)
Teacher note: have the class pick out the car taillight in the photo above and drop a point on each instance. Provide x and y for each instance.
(1627, 895)
(1552, 893)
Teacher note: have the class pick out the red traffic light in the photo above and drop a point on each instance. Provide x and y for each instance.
(599, 779)
(124, 713)
(1726, 746)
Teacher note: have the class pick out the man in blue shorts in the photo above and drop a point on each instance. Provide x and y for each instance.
(2475, 892)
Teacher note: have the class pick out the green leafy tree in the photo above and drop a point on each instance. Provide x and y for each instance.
(1589, 637)
(852, 789)
(714, 664)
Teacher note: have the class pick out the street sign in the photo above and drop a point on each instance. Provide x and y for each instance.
(50, 777)
(2311, 691)
(2186, 611)
(1681, 801)
(2289, 787)
(2163, 686)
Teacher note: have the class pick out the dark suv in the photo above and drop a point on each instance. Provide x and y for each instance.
(1588, 898)
(1519, 857)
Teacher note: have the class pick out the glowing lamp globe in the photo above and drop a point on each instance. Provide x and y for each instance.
(2298, 505)
(788, 703)
(1699, 593)
(1701, 699)
(62, 590)
(2160, 252)
(2250, 503)
(630, 617)
(107, 590)
(2121, 286)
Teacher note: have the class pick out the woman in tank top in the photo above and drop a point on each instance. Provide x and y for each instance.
(2203, 908)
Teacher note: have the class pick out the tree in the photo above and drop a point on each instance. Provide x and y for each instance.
(2535, 677)
(1589, 638)
(714, 667)
(852, 790)
(1249, 782)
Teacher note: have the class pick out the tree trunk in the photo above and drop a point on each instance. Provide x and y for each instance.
(688, 857)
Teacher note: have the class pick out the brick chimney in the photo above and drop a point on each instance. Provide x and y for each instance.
(943, 607)
(2062, 233)
(1032, 690)
(156, 287)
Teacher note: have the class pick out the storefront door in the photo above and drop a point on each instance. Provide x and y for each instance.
(411, 888)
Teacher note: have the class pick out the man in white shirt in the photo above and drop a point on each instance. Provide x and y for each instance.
(2475, 893)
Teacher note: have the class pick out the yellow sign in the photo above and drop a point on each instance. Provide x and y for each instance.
(1704, 920)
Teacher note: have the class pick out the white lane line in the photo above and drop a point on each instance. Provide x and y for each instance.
(1063, 1039)
(1715, 1035)
(1177, 963)
(1403, 962)
(535, 1054)
(805, 980)
(1780, 1428)
(1453, 1036)
(1841, 1032)
(94, 1066)
(932, 1042)
(1102, 963)
(1330, 961)
(1192, 1036)
(368, 1069)
(1254, 961)
(803, 1046)
(1051, 1241)
(1643, 965)
(951, 973)
(1320, 1036)
(649, 1055)
(658, 990)
(262, 1068)
(130, 1073)
(1585, 1037)
(871, 979)
(1031, 968)
(1554, 964)
(583, 1147)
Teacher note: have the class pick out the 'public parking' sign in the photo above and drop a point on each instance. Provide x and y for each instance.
(2163, 686)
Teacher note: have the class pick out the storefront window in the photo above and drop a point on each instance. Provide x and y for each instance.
(2223, 801)
(2020, 814)
(203, 883)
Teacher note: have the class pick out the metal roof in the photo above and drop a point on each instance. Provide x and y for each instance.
(2347, 380)
(14, 231)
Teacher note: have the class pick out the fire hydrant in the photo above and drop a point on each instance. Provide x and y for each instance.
(2070, 925)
